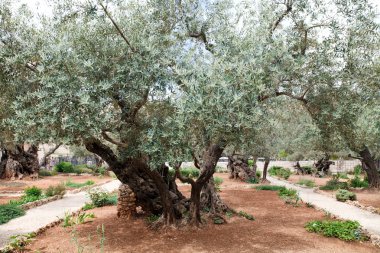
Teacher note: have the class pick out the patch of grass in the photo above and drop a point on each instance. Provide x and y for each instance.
(344, 195)
(269, 187)
(88, 206)
(45, 173)
(306, 182)
(69, 220)
(246, 215)
(344, 230)
(71, 184)
(9, 212)
(24, 200)
(218, 181)
(229, 214)
(258, 174)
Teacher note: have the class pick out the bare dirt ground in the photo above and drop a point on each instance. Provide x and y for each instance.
(45, 182)
(318, 181)
(278, 228)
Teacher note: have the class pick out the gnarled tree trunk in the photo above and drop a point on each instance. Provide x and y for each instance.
(17, 162)
(239, 168)
(370, 167)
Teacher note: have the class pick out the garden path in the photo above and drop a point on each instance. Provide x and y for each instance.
(41, 216)
(368, 220)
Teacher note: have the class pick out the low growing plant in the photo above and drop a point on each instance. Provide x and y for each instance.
(334, 184)
(88, 206)
(269, 188)
(356, 182)
(279, 172)
(246, 215)
(9, 212)
(218, 181)
(33, 191)
(71, 184)
(344, 230)
(101, 198)
(344, 195)
(64, 167)
(56, 190)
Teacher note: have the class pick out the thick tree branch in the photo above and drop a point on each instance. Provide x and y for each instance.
(284, 93)
(117, 27)
(182, 178)
(113, 141)
(289, 6)
(97, 147)
(49, 153)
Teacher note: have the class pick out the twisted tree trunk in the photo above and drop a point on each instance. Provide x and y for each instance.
(239, 168)
(265, 170)
(370, 167)
(17, 162)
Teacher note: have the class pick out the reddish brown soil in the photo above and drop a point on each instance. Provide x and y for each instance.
(45, 182)
(278, 228)
(318, 181)
(369, 197)
(6, 199)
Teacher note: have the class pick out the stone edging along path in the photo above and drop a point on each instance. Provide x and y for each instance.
(39, 218)
(369, 221)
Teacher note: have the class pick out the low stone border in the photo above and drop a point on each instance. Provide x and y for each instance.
(353, 203)
(11, 192)
(40, 202)
(86, 188)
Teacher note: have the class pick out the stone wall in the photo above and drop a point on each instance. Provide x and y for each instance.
(126, 202)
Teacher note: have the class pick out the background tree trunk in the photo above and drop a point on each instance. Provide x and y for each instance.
(48, 154)
(265, 170)
(239, 169)
(17, 162)
(370, 167)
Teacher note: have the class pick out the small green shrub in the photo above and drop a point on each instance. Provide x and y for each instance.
(190, 172)
(344, 195)
(344, 230)
(342, 175)
(24, 200)
(258, 174)
(253, 180)
(279, 172)
(269, 187)
(64, 167)
(250, 163)
(33, 191)
(246, 215)
(9, 212)
(290, 196)
(306, 182)
(218, 181)
(334, 184)
(357, 170)
(101, 198)
(356, 182)
(45, 173)
(308, 169)
(71, 184)
(59, 189)
(88, 206)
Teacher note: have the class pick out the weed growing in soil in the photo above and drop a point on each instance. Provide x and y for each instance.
(69, 220)
(279, 172)
(71, 184)
(253, 181)
(269, 188)
(218, 181)
(18, 243)
(290, 196)
(152, 218)
(59, 189)
(246, 215)
(88, 206)
(344, 230)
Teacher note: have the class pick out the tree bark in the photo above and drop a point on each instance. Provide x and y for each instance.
(265, 170)
(17, 162)
(370, 167)
(239, 168)
(209, 160)
(49, 153)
